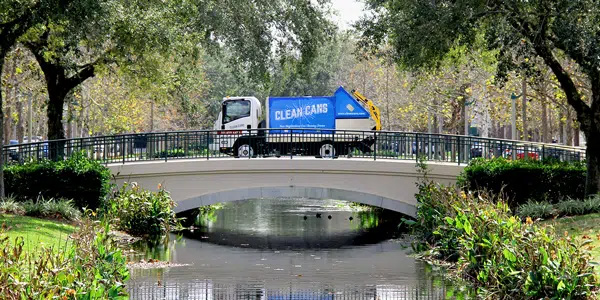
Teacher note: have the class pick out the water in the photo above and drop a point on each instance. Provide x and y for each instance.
(280, 249)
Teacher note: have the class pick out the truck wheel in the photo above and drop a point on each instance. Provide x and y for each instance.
(245, 150)
(327, 150)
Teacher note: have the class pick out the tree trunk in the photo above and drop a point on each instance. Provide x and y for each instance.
(561, 127)
(575, 133)
(524, 109)
(569, 128)
(592, 155)
(544, 120)
(20, 127)
(2, 56)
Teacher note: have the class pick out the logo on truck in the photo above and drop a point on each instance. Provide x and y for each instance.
(306, 111)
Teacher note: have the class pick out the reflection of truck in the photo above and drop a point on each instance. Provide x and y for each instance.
(297, 125)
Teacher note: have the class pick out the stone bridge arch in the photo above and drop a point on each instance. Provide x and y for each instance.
(384, 183)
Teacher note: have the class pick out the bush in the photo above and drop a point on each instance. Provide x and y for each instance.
(503, 257)
(141, 212)
(570, 207)
(525, 180)
(85, 181)
(11, 206)
(536, 210)
(91, 267)
(592, 204)
(52, 208)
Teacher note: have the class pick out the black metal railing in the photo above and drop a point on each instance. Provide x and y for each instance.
(261, 143)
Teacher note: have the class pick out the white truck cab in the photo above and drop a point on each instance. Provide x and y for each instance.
(238, 113)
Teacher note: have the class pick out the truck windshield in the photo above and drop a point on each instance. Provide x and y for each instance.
(235, 109)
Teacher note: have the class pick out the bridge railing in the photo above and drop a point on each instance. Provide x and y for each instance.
(290, 143)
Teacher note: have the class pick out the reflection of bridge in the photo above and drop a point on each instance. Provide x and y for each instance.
(372, 167)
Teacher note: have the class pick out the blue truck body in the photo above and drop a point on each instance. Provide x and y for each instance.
(313, 112)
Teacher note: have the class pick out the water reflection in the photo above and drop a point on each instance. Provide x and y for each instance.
(267, 249)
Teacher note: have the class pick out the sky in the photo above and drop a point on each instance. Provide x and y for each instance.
(348, 11)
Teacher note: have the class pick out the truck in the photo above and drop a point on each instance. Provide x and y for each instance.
(321, 126)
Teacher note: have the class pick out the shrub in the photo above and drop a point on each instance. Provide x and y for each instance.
(85, 181)
(525, 180)
(91, 267)
(11, 206)
(536, 210)
(570, 207)
(142, 212)
(503, 257)
(51, 208)
(592, 204)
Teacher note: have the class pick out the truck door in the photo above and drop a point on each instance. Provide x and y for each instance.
(236, 115)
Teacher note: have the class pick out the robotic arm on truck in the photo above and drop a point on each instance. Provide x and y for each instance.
(370, 106)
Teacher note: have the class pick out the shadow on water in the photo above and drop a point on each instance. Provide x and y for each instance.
(289, 249)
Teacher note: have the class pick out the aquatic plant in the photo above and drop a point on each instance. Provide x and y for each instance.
(141, 212)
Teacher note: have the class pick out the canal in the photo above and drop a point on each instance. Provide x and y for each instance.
(288, 249)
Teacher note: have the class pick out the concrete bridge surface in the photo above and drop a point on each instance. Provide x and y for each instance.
(384, 183)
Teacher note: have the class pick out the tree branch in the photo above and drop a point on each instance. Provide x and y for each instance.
(84, 73)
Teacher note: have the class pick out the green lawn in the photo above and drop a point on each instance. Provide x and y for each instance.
(36, 232)
(580, 226)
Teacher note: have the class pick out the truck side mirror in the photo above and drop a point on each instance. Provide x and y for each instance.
(222, 126)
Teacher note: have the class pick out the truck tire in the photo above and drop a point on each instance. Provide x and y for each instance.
(244, 150)
(327, 150)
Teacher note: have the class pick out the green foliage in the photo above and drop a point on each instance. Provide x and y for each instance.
(51, 208)
(498, 253)
(85, 181)
(568, 207)
(142, 212)
(11, 206)
(525, 180)
(536, 210)
(91, 267)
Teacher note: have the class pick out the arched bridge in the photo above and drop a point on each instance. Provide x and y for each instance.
(193, 183)
(205, 167)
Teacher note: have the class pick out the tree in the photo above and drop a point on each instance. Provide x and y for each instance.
(16, 17)
(423, 32)
(140, 34)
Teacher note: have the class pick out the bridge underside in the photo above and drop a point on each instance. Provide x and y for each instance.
(296, 192)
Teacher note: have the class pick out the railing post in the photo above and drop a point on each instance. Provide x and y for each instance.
(123, 147)
(514, 151)
(291, 144)
(166, 146)
(375, 145)
(208, 145)
(543, 151)
(416, 147)
(458, 146)
(333, 143)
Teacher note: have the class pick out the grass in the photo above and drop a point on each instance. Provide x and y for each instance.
(585, 227)
(36, 232)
